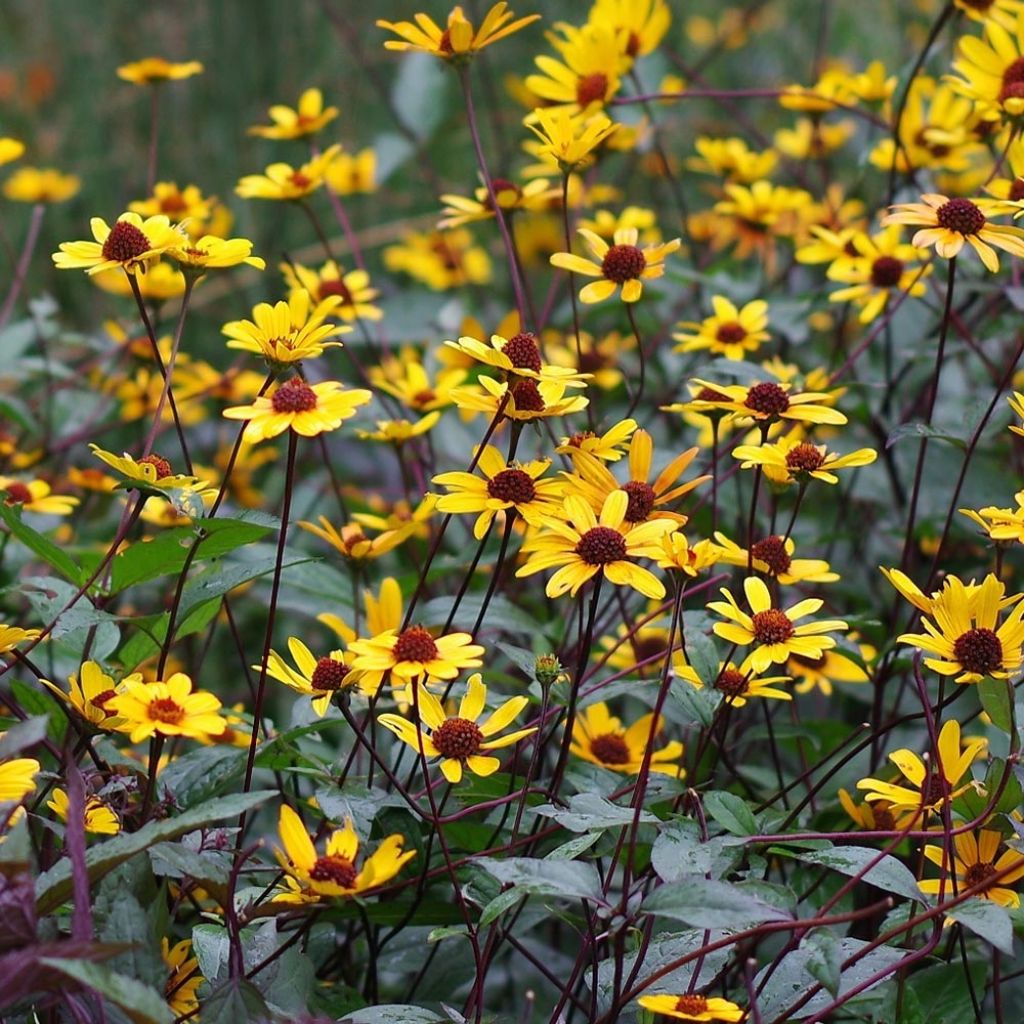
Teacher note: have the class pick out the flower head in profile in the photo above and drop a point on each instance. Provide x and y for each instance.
(623, 264)
(41, 185)
(89, 694)
(736, 684)
(765, 402)
(601, 738)
(309, 117)
(132, 244)
(287, 332)
(458, 40)
(183, 978)
(608, 447)
(308, 409)
(731, 332)
(212, 253)
(510, 198)
(790, 459)
(318, 678)
(167, 708)
(282, 181)
(876, 816)
(1000, 525)
(150, 473)
(352, 542)
(36, 496)
(412, 653)
(100, 820)
(156, 70)
(977, 862)
(519, 355)
(17, 778)
(834, 666)
(12, 636)
(773, 556)
(568, 139)
(523, 400)
(462, 741)
(693, 1007)
(337, 873)
(399, 431)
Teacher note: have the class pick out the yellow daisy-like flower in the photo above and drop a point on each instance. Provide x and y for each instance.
(410, 382)
(308, 409)
(527, 399)
(353, 173)
(693, 1007)
(732, 159)
(167, 707)
(400, 516)
(412, 653)
(41, 185)
(150, 473)
(622, 264)
(183, 979)
(89, 694)
(519, 355)
(100, 820)
(383, 612)
(131, 244)
(608, 447)
(187, 204)
(773, 556)
(877, 816)
(12, 636)
(458, 41)
(581, 546)
(1004, 12)
(587, 76)
(502, 486)
(155, 70)
(459, 210)
(975, 861)
(732, 332)
(287, 332)
(36, 496)
(319, 678)
(600, 737)
(440, 259)
(308, 118)
(831, 667)
(790, 459)
(992, 70)
(212, 253)
(771, 631)
(282, 181)
(399, 431)
(736, 684)
(10, 149)
(644, 22)
(765, 402)
(351, 541)
(1016, 403)
(162, 281)
(964, 635)
(18, 778)
(679, 555)
(566, 139)
(335, 874)
(1000, 525)
(932, 784)
(351, 289)
(462, 741)
(949, 223)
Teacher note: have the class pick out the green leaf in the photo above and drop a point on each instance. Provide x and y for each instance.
(918, 429)
(824, 963)
(143, 1004)
(419, 92)
(153, 628)
(392, 1013)
(942, 994)
(679, 851)
(987, 920)
(731, 812)
(24, 734)
(996, 699)
(706, 903)
(237, 1001)
(40, 545)
(502, 902)
(702, 653)
(202, 773)
(888, 874)
(589, 811)
(219, 580)
(548, 877)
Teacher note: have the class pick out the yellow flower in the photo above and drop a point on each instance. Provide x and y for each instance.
(36, 496)
(40, 185)
(295, 405)
(1004, 12)
(932, 784)
(644, 22)
(587, 76)
(949, 223)
(974, 862)
(308, 118)
(167, 707)
(351, 540)
(440, 260)
(155, 70)
(754, 216)
(162, 281)
(693, 1007)
(458, 41)
(736, 684)
(383, 612)
(605, 447)
(410, 522)
(811, 139)
(11, 636)
(992, 71)
(582, 546)
(568, 140)
(351, 289)
(459, 210)
(319, 678)
(287, 332)
(10, 149)
(678, 554)
(601, 738)
(765, 402)
(100, 820)
(131, 244)
(503, 486)
(183, 978)
(519, 355)
(731, 332)
(771, 630)
(282, 181)
(623, 264)
(773, 556)
(89, 694)
(150, 473)
(1016, 401)
(336, 873)
(877, 816)
(187, 205)
(17, 778)
(399, 431)
(462, 741)
(1001, 525)
(408, 381)
(211, 253)
(528, 400)
(352, 173)
(790, 459)
(831, 667)
(731, 159)
(412, 653)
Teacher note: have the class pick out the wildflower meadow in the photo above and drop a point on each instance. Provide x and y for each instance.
(511, 516)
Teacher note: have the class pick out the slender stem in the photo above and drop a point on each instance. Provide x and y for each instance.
(24, 260)
(643, 360)
(154, 135)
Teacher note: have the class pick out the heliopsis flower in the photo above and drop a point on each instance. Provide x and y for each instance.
(519, 355)
(623, 264)
(525, 400)
(587, 76)
(459, 210)
(932, 783)
(754, 216)
(502, 486)
(187, 205)
(131, 244)
(458, 41)
(351, 541)
(737, 685)
(644, 22)
(212, 253)
(10, 149)
(608, 447)
(812, 139)
(89, 694)
(731, 159)
(678, 554)
(1000, 525)
(282, 181)
(462, 741)
(383, 612)
(412, 653)
(12, 636)
(40, 185)
(992, 70)
(440, 259)
(17, 778)
(790, 459)
(310, 876)
(773, 556)
(693, 1007)
(949, 223)
(1016, 403)
(963, 631)
(399, 431)
(162, 281)
(400, 516)
(601, 738)
(308, 409)
(771, 631)
(319, 678)
(352, 173)
(150, 473)
(1004, 12)
(765, 402)
(351, 289)
(877, 816)
(731, 332)
(581, 546)
(975, 861)
(636, 651)
(308, 118)
(155, 70)
(408, 381)
(167, 707)
(832, 666)
(36, 496)
(183, 979)
(287, 332)
(567, 139)
(100, 820)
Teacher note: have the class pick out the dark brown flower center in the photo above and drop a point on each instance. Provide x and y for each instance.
(576, 441)
(641, 501)
(730, 333)
(173, 203)
(339, 870)
(294, 395)
(886, 272)
(591, 88)
(933, 789)
(523, 352)
(300, 180)
(979, 650)
(731, 682)
(1013, 81)
(601, 545)
(415, 644)
(100, 701)
(166, 710)
(633, 44)
(17, 493)
(771, 626)
(692, 1005)
(512, 485)
(710, 395)
(772, 551)
(335, 286)
(767, 398)
(125, 243)
(884, 820)
(962, 216)
(610, 749)
(329, 674)
(444, 44)
(159, 463)
(1017, 190)
(527, 397)
(422, 398)
(623, 263)
(804, 457)
(979, 873)
(458, 738)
